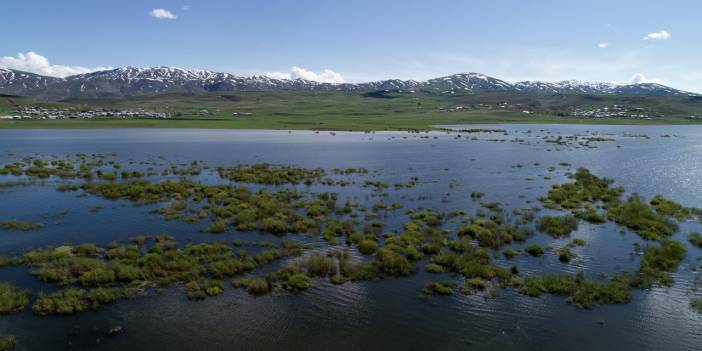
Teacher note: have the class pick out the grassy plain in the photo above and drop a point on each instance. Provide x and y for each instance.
(304, 110)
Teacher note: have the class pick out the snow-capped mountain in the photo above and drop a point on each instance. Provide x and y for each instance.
(466, 82)
(131, 81)
(566, 86)
(134, 81)
(23, 83)
(580, 87)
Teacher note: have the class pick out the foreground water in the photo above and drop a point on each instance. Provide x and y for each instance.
(386, 314)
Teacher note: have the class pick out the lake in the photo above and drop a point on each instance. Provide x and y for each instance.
(510, 167)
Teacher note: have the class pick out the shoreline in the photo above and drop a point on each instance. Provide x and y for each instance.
(331, 127)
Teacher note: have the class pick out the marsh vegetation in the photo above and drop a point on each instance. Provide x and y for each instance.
(7, 342)
(12, 299)
(343, 226)
(20, 225)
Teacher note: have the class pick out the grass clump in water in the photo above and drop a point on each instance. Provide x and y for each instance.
(394, 262)
(477, 195)
(581, 292)
(696, 304)
(471, 261)
(587, 189)
(671, 208)
(534, 250)
(474, 285)
(298, 281)
(320, 265)
(201, 289)
(578, 242)
(218, 227)
(558, 226)
(291, 278)
(434, 268)
(493, 232)
(7, 342)
(441, 288)
(590, 214)
(66, 302)
(264, 173)
(255, 286)
(75, 300)
(695, 239)
(658, 262)
(12, 299)
(20, 225)
(368, 246)
(114, 271)
(510, 253)
(638, 216)
(565, 254)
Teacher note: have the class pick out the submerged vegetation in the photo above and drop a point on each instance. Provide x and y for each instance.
(7, 342)
(696, 304)
(651, 221)
(12, 299)
(74, 300)
(657, 264)
(121, 271)
(320, 235)
(638, 216)
(580, 291)
(441, 288)
(587, 190)
(671, 208)
(695, 239)
(20, 225)
(558, 226)
(534, 250)
(265, 173)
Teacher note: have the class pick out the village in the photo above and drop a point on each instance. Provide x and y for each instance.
(612, 111)
(503, 106)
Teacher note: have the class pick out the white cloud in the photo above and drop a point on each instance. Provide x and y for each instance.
(661, 35)
(640, 78)
(326, 76)
(162, 14)
(185, 7)
(35, 63)
(603, 45)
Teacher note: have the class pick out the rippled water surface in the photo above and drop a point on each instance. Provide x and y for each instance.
(381, 315)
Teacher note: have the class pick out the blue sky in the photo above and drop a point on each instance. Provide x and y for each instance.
(364, 40)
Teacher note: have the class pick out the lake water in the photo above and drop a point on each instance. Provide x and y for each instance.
(378, 315)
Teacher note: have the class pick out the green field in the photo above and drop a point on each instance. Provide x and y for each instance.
(295, 110)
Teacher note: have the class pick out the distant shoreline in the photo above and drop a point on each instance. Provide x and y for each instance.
(322, 125)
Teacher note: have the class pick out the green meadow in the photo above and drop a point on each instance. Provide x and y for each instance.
(305, 110)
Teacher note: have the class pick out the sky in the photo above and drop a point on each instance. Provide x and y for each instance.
(362, 40)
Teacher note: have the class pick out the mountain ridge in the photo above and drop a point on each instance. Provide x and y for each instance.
(139, 81)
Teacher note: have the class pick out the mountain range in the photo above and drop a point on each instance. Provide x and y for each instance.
(134, 81)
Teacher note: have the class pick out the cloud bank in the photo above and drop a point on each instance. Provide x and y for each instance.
(35, 63)
(162, 14)
(326, 76)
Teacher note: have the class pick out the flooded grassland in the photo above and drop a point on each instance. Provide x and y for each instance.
(524, 237)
